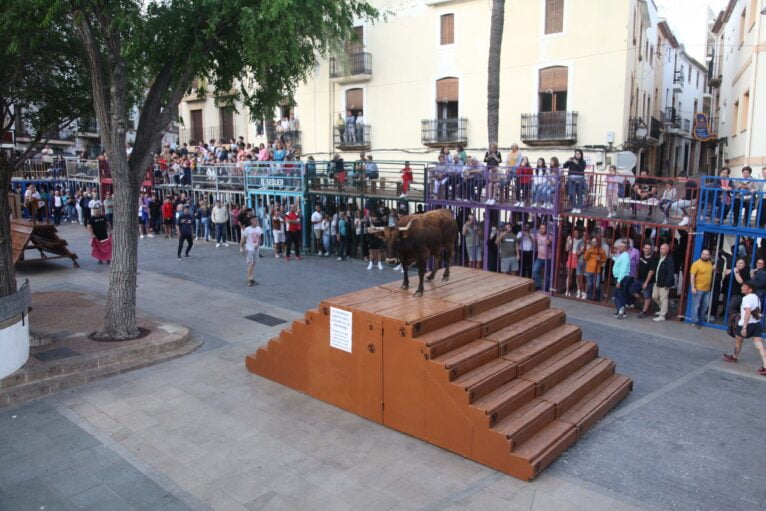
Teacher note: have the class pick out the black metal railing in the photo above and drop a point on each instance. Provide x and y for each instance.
(444, 131)
(87, 126)
(549, 126)
(669, 116)
(655, 128)
(351, 64)
(352, 136)
(678, 77)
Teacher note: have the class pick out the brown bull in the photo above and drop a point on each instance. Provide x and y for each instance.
(416, 238)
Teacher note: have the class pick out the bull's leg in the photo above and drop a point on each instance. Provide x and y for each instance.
(406, 281)
(437, 264)
(421, 274)
(447, 260)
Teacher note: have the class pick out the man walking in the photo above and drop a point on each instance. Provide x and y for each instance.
(185, 230)
(748, 326)
(701, 278)
(664, 280)
(250, 243)
(620, 272)
(219, 217)
(642, 286)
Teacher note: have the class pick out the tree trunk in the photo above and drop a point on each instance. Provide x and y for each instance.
(271, 129)
(7, 273)
(493, 69)
(120, 313)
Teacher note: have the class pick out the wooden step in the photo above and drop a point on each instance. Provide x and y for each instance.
(546, 445)
(506, 399)
(486, 378)
(574, 387)
(524, 422)
(511, 312)
(594, 405)
(552, 370)
(467, 357)
(521, 332)
(448, 338)
(544, 346)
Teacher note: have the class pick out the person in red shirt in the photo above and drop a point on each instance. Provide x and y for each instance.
(168, 210)
(523, 183)
(293, 228)
(407, 178)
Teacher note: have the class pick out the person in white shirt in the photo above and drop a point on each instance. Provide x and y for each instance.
(250, 243)
(220, 216)
(47, 154)
(748, 326)
(316, 226)
(94, 203)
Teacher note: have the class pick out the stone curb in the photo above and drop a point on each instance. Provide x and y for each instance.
(31, 383)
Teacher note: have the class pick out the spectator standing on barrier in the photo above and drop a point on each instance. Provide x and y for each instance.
(372, 174)
(575, 180)
(250, 243)
(512, 167)
(620, 272)
(701, 279)
(664, 280)
(293, 232)
(595, 257)
(748, 326)
(743, 197)
(407, 179)
(461, 154)
(185, 228)
(492, 159)
(316, 228)
(613, 185)
(541, 269)
(473, 236)
(643, 284)
(278, 230)
(541, 186)
(721, 203)
(338, 171)
(523, 182)
(509, 252)
(219, 216)
(735, 277)
(527, 250)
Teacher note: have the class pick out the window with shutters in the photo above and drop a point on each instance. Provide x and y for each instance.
(753, 13)
(745, 111)
(735, 118)
(197, 133)
(554, 16)
(447, 29)
(742, 27)
(552, 91)
(447, 98)
(227, 123)
(355, 102)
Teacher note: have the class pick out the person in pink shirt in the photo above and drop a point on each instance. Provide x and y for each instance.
(542, 264)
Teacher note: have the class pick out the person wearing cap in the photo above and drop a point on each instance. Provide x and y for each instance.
(748, 326)
(185, 231)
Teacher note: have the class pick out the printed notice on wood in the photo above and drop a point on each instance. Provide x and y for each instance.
(340, 329)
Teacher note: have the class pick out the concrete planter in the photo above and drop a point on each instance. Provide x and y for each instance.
(14, 330)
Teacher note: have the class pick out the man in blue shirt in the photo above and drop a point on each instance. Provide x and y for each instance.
(620, 272)
(185, 228)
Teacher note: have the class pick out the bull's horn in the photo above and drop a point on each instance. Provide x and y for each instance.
(408, 226)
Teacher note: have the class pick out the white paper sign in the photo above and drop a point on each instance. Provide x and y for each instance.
(340, 329)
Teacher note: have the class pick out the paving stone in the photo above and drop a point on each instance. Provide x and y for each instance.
(99, 498)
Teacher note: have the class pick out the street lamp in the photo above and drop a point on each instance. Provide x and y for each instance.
(641, 129)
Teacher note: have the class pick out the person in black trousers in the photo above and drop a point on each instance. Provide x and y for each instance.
(185, 229)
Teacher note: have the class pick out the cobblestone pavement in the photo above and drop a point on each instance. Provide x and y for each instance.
(201, 432)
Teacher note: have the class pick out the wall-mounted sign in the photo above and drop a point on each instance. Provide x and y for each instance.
(701, 130)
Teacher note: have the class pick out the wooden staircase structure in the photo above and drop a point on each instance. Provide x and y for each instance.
(480, 365)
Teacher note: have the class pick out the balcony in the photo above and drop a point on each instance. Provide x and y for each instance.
(678, 81)
(549, 128)
(358, 140)
(672, 120)
(687, 126)
(440, 132)
(651, 137)
(352, 67)
(87, 128)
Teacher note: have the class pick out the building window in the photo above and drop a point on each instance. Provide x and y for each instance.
(355, 43)
(227, 123)
(698, 78)
(742, 27)
(554, 16)
(745, 110)
(753, 12)
(447, 29)
(689, 78)
(447, 98)
(197, 134)
(552, 92)
(735, 118)
(355, 102)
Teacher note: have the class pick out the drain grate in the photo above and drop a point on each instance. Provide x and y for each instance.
(265, 319)
(55, 354)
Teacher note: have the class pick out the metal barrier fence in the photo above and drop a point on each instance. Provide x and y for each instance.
(732, 201)
(382, 179)
(502, 186)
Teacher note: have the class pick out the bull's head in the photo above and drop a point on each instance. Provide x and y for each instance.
(392, 240)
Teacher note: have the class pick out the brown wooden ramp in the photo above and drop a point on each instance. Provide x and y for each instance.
(41, 237)
(480, 365)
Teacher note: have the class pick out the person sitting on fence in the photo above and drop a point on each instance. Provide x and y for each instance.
(372, 174)
(667, 200)
(473, 180)
(644, 189)
(454, 178)
(439, 178)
